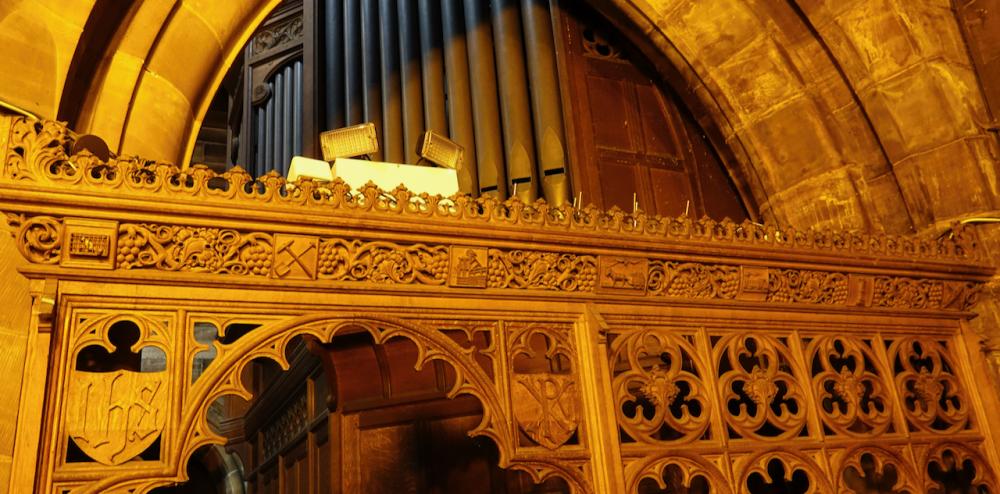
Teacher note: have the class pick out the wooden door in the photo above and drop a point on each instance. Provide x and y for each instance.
(633, 137)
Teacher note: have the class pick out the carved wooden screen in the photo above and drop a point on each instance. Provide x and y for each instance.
(617, 353)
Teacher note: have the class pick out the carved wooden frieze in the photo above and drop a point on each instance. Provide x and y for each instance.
(85, 243)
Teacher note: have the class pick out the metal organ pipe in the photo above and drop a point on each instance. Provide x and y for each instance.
(392, 133)
(459, 96)
(296, 112)
(432, 66)
(370, 66)
(486, 113)
(286, 120)
(545, 100)
(514, 102)
(333, 64)
(352, 58)
(413, 101)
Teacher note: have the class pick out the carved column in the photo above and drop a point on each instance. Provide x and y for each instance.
(30, 411)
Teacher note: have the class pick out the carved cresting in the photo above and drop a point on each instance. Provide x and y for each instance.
(730, 358)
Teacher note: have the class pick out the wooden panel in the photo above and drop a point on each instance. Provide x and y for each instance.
(610, 108)
(389, 456)
(658, 135)
(618, 181)
(671, 192)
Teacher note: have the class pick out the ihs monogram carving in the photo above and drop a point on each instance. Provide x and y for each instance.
(115, 417)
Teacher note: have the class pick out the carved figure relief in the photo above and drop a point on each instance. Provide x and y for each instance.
(623, 274)
(468, 267)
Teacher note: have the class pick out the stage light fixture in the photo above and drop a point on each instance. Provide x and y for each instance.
(440, 150)
(349, 142)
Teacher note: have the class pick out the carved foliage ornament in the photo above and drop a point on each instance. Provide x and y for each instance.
(658, 387)
(933, 398)
(38, 153)
(761, 393)
(851, 396)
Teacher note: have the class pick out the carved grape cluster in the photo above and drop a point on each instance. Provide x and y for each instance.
(327, 258)
(435, 263)
(129, 247)
(586, 279)
(258, 259)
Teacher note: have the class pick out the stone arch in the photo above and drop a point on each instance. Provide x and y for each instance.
(223, 377)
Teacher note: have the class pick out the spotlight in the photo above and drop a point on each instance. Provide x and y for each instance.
(348, 142)
(440, 150)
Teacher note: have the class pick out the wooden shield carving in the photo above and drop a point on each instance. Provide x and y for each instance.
(545, 407)
(114, 416)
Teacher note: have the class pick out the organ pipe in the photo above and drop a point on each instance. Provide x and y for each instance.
(392, 133)
(296, 112)
(459, 100)
(371, 66)
(352, 67)
(286, 121)
(545, 101)
(333, 64)
(514, 100)
(486, 113)
(413, 104)
(432, 66)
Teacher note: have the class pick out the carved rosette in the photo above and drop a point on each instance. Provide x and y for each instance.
(39, 238)
(658, 388)
(852, 398)
(933, 397)
(761, 396)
